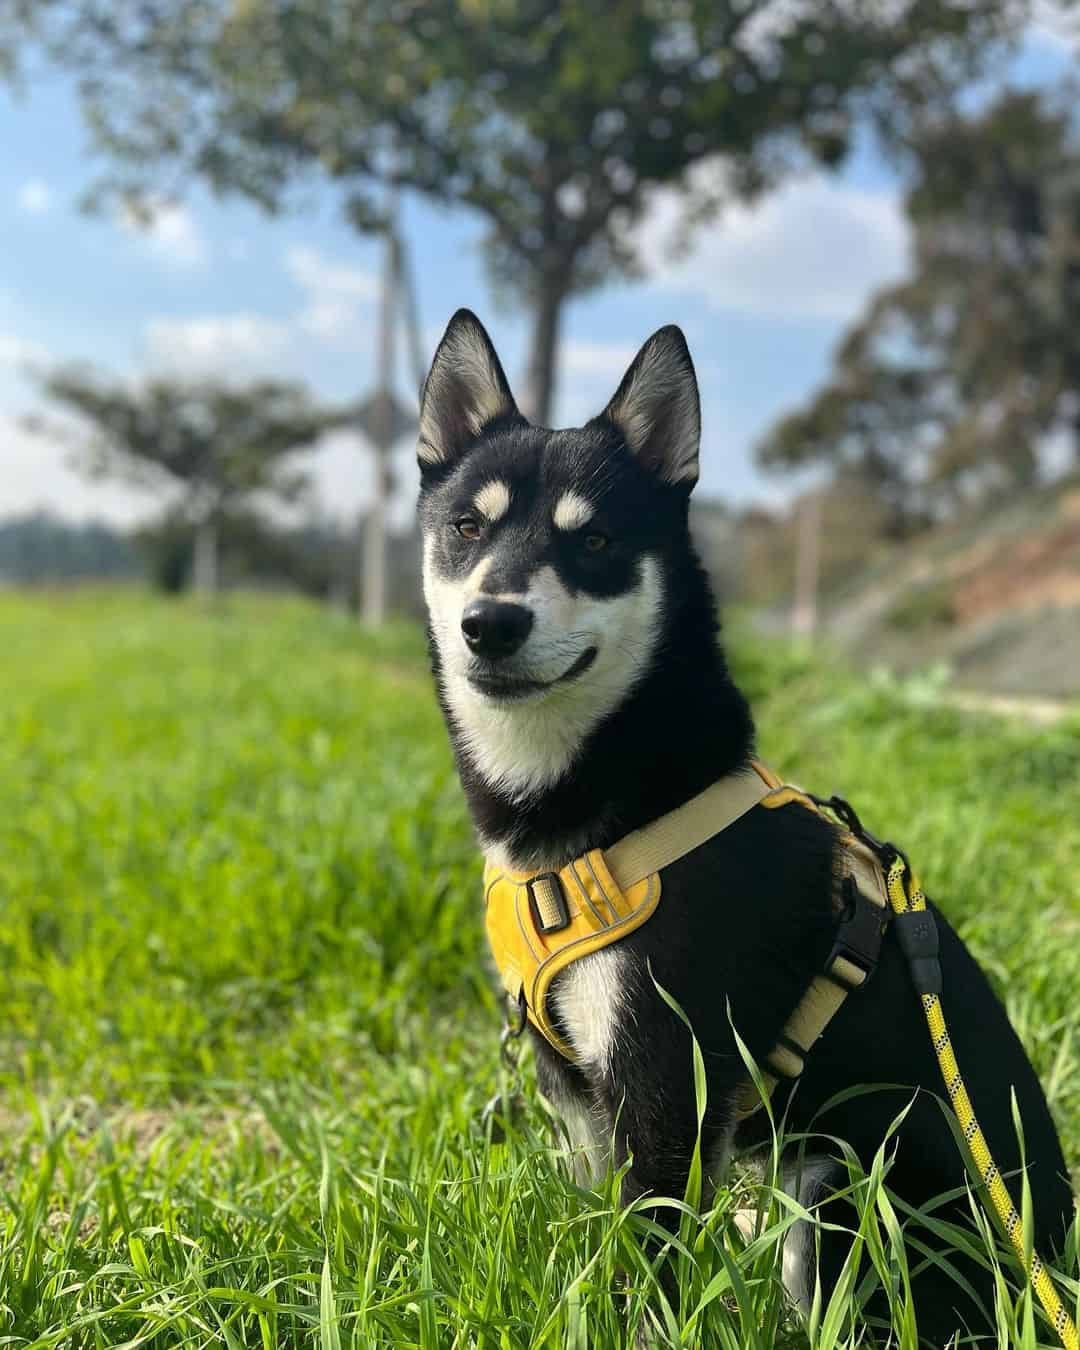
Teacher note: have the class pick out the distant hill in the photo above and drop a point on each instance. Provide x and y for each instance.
(996, 596)
(41, 547)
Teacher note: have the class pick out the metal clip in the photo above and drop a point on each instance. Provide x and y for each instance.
(508, 1105)
(844, 811)
(512, 1032)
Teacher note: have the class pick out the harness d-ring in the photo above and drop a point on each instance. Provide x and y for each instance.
(508, 1103)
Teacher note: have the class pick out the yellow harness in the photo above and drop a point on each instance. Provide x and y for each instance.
(538, 923)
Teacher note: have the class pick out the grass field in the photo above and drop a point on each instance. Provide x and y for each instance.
(246, 1028)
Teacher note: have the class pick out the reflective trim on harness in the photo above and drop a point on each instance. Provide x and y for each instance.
(538, 924)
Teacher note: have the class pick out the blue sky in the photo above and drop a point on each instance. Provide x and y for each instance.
(219, 287)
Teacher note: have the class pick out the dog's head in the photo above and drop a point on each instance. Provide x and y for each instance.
(547, 554)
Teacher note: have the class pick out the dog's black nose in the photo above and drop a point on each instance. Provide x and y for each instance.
(495, 628)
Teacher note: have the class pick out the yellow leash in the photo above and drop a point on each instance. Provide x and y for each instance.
(909, 899)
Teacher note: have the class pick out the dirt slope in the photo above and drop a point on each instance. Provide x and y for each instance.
(995, 597)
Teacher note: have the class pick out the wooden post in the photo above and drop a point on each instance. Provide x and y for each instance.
(374, 606)
(807, 565)
(205, 563)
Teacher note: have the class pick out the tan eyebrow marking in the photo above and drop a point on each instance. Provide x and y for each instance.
(572, 511)
(493, 500)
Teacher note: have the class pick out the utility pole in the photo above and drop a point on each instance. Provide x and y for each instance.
(383, 419)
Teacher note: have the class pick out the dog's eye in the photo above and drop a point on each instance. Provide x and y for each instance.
(595, 541)
(468, 527)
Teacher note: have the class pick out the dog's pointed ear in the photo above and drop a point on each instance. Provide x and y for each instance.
(464, 392)
(657, 411)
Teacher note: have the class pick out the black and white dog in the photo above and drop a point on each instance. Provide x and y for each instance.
(574, 642)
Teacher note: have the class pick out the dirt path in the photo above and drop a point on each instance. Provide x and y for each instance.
(1042, 712)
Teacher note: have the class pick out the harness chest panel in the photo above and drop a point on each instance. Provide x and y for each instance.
(538, 924)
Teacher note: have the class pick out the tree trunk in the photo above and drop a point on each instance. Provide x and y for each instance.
(543, 351)
(373, 590)
(205, 568)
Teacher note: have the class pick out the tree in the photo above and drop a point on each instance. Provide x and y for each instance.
(948, 386)
(16, 26)
(553, 120)
(217, 444)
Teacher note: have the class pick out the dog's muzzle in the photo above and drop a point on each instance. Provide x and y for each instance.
(494, 629)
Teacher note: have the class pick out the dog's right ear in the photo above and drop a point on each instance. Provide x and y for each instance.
(465, 391)
(657, 410)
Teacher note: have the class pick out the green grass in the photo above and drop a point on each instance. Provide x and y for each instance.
(247, 1027)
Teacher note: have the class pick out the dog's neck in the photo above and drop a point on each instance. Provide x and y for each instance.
(683, 726)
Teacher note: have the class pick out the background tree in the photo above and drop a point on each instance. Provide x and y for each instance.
(553, 120)
(16, 26)
(217, 446)
(947, 388)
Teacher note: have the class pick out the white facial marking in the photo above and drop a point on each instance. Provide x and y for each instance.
(572, 511)
(523, 747)
(493, 500)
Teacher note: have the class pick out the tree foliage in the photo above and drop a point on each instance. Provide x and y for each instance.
(948, 386)
(218, 443)
(553, 120)
(17, 26)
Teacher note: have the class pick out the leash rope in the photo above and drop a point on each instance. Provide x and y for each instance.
(908, 898)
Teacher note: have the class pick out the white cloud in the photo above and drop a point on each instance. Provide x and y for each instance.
(169, 231)
(308, 267)
(220, 343)
(213, 343)
(589, 373)
(335, 293)
(815, 249)
(38, 476)
(1053, 25)
(34, 197)
(16, 352)
(607, 360)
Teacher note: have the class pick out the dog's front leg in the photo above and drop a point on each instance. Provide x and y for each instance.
(634, 1068)
(646, 1092)
(653, 1124)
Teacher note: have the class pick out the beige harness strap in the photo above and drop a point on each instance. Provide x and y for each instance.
(657, 845)
(827, 991)
(662, 842)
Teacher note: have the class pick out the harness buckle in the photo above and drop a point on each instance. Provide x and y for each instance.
(918, 933)
(858, 937)
(547, 903)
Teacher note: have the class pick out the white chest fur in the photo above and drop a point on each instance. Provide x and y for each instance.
(589, 996)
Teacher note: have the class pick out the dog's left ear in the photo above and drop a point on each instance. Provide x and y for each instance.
(657, 411)
(465, 391)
